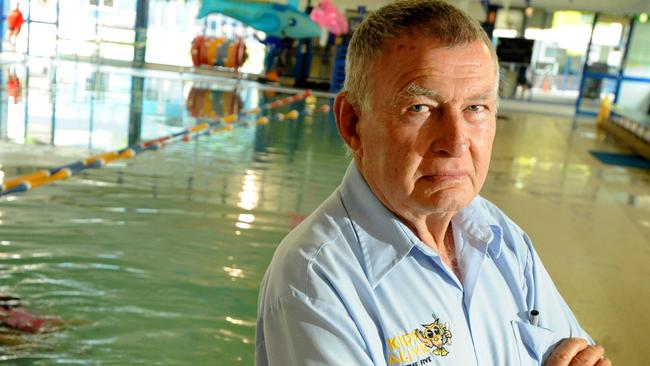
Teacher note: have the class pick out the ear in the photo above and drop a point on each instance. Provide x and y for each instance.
(347, 120)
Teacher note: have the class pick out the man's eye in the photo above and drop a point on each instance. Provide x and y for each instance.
(418, 108)
(476, 108)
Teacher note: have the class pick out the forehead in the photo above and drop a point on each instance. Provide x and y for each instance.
(408, 59)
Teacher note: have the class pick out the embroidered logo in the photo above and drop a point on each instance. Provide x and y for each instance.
(435, 336)
(420, 346)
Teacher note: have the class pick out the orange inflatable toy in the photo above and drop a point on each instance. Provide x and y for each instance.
(218, 51)
(15, 20)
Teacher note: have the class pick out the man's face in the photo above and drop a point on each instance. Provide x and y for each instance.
(425, 144)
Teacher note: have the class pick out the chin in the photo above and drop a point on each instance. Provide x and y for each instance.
(445, 201)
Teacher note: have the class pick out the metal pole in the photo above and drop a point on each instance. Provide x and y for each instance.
(2, 26)
(621, 70)
(585, 66)
(141, 26)
(135, 115)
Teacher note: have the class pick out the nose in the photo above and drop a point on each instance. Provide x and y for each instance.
(450, 136)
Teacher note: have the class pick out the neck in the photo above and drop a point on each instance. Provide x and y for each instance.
(431, 229)
(436, 232)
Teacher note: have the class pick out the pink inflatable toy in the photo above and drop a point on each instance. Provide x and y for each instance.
(328, 16)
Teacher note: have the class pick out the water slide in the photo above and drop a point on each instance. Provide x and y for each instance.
(277, 20)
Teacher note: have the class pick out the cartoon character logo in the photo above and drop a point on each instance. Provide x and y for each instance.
(436, 336)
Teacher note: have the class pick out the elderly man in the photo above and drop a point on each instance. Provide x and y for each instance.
(404, 264)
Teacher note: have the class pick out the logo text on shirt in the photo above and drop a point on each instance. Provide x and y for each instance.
(418, 346)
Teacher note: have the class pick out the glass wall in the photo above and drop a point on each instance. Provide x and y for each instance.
(102, 29)
(173, 25)
(105, 29)
(559, 50)
(77, 28)
(635, 87)
(603, 67)
(562, 52)
(42, 28)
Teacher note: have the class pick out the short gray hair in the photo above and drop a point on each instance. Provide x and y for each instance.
(433, 18)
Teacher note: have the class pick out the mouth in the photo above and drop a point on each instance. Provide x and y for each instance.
(449, 175)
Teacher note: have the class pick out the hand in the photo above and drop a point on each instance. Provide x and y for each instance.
(577, 352)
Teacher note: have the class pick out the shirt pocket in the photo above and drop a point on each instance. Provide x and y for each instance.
(533, 343)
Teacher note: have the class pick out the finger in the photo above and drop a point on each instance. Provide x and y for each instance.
(588, 356)
(604, 362)
(566, 351)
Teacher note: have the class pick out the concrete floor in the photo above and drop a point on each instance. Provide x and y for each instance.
(589, 222)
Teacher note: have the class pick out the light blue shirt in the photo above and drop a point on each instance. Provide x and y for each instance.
(352, 285)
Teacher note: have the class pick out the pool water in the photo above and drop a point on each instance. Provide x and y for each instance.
(157, 260)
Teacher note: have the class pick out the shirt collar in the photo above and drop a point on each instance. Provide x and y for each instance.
(478, 226)
(381, 234)
(385, 240)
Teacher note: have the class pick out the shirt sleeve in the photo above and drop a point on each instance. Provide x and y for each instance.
(542, 295)
(301, 331)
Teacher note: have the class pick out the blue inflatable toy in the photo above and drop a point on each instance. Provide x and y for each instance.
(277, 20)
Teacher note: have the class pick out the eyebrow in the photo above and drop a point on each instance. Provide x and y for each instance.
(414, 89)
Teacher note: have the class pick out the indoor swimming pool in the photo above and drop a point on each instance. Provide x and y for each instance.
(157, 260)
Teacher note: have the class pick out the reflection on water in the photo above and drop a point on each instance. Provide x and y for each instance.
(211, 104)
(14, 88)
(156, 259)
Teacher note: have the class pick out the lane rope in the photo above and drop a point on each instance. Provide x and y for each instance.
(43, 177)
